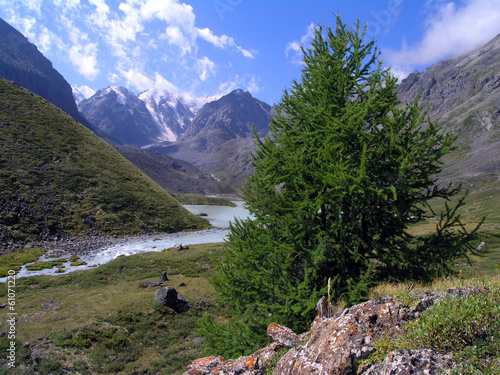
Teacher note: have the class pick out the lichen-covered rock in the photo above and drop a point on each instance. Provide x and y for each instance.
(338, 341)
(282, 335)
(204, 366)
(338, 344)
(217, 365)
(399, 362)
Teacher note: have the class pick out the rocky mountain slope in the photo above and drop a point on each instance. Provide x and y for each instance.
(219, 139)
(464, 93)
(153, 117)
(21, 62)
(59, 179)
(174, 175)
(118, 112)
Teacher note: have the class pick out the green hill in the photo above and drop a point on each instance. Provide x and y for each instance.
(57, 179)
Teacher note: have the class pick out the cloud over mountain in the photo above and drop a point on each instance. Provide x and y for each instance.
(140, 44)
(450, 29)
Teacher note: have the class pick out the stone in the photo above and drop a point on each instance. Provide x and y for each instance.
(325, 309)
(424, 361)
(282, 335)
(181, 305)
(204, 365)
(340, 341)
(151, 284)
(198, 340)
(163, 277)
(167, 296)
(217, 365)
(178, 246)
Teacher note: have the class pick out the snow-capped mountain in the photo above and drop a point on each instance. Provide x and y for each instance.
(120, 113)
(153, 117)
(170, 112)
(78, 96)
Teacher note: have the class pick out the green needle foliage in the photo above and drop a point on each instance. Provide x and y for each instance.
(345, 171)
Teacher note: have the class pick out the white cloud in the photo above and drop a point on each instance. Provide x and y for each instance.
(222, 41)
(164, 84)
(136, 78)
(206, 67)
(451, 29)
(44, 41)
(176, 37)
(133, 41)
(84, 58)
(294, 47)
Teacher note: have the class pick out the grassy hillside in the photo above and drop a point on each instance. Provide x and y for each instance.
(57, 178)
(101, 321)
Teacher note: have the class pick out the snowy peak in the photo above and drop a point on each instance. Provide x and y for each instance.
(169, 111)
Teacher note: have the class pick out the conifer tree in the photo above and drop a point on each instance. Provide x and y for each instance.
(345, 171)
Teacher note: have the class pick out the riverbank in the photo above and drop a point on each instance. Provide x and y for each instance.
(96, 250)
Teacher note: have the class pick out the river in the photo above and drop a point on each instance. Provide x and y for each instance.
(218, 216)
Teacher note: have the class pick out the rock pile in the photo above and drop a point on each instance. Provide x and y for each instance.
(338, 341)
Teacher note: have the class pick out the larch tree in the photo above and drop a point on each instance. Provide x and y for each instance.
(343, 174)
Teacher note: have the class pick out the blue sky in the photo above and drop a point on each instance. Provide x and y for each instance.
(206, 48)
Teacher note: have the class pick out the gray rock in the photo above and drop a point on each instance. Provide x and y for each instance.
(282, 335)
(424, 361)
(167, 296)
(151, 284)
(178, 246)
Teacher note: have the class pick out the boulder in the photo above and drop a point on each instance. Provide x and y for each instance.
(178, 246)
(241, 366)
(169, 297)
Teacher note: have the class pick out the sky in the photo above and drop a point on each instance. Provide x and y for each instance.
(203, 49)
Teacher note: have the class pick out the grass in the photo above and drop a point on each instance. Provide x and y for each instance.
(101, 321)
(14, 261)
(195, 199)
(46, 265)
(466, 328)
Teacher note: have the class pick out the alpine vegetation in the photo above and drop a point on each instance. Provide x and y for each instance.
(346, 170)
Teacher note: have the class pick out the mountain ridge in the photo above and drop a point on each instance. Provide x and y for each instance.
(463, 92)
(59, 179)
